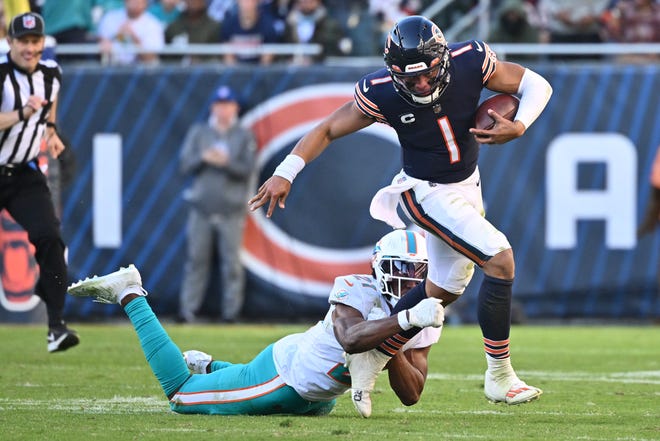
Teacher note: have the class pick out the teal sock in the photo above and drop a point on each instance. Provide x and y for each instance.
(163, 356)
(216, 365)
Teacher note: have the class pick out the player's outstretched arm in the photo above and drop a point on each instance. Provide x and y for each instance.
(343, 121)
(355, 334)
(407, 374)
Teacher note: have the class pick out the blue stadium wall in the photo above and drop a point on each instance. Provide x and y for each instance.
(596, 139)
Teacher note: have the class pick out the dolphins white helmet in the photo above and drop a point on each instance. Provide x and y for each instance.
(398, 257)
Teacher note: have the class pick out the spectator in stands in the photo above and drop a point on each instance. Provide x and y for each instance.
(388, 12)
(219, 154)
(166, 11)
(248, 28)
(102, 6)
(634, 21)
(359, 25)
(535, 17)
(512, 25)
(69, 22)
(131, 33)
(309, 23)
(278, 8)
(4, 44)
(15, 7)
(454, 11)
(109, 5)
(574, 21)
(218, 9)
(193, 26)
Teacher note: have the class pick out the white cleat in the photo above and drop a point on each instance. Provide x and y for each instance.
(197, 361)
(509, 389)
(364, 369)
(108, 288)
(362, 402)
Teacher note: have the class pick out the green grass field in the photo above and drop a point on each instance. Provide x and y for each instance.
(600, 383)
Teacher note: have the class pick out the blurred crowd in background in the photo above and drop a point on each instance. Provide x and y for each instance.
(129, 31)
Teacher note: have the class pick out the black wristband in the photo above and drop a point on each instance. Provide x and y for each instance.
(21, 115)
(51, 125)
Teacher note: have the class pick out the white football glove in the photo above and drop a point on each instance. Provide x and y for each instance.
(428, 312)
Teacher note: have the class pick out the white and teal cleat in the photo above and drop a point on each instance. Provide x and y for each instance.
(108, 288)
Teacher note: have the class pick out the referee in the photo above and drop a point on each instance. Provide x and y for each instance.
(27, 118)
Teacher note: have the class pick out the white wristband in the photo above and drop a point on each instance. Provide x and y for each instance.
(534, 93)
(403, 320)
(290, 167)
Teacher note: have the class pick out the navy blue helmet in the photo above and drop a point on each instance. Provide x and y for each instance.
(416, 47)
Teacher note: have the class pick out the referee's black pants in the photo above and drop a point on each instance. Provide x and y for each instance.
(25, 194)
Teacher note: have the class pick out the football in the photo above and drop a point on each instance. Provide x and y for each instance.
(503, 103)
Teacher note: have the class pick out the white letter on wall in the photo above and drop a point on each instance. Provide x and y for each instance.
(615, 204)
(107, 190)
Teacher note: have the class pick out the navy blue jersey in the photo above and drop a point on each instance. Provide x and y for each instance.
(264, 31)
(436, 143)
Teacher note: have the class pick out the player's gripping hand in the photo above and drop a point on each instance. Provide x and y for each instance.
(503, 130)
(428, 312)
(274, 192)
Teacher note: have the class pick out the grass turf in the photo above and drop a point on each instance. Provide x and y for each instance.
(600, 383)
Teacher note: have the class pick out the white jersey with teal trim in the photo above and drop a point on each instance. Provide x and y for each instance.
(312, 362)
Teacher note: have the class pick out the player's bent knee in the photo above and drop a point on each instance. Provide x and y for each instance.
(449, 280)
(410, 401)
(501, 265)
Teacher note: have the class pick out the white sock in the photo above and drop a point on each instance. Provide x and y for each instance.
(499, 367)
(131, 289)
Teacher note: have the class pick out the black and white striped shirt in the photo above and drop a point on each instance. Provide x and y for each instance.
(21, 142)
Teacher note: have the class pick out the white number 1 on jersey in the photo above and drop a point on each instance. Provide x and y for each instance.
(450, 140)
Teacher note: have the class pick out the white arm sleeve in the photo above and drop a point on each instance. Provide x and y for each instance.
(534, 93)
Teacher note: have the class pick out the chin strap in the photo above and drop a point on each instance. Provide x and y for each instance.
(426, 100)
